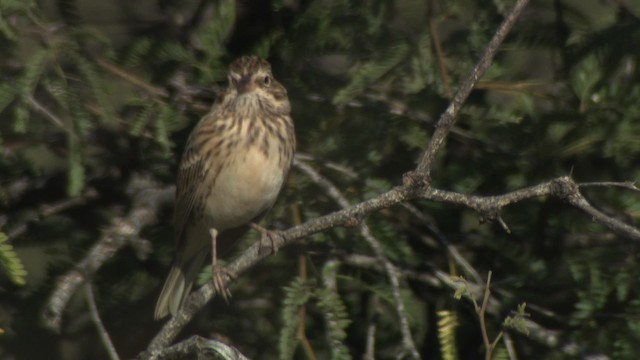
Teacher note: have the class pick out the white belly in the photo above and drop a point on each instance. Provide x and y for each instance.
(246, 187)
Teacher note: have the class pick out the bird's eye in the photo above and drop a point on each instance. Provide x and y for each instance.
(266, 80)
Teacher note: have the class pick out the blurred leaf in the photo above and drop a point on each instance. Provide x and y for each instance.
(11, 263)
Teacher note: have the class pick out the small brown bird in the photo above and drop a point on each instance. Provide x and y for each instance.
(233, 167)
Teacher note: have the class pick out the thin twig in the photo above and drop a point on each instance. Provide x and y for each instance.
(562, 188)
(302, 273)
(534, 88)
(135, 80)
(370, 352)
(95, 317)
(390, 269)
(329, 188)
(481, 313)
(302, 336)
(631, 185)
(392, 273)
(448, 118)
(435, 38)
(48, 114)
(601, 218)
(329, 165)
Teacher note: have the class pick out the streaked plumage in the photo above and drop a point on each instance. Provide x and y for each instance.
(233, 167)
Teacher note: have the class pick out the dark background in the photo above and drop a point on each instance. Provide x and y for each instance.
(94, 93)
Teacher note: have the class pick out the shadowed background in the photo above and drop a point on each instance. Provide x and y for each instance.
(95, 93)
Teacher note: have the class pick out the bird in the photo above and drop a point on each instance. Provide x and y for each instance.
(234, 165)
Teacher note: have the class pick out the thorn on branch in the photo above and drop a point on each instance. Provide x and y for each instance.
(503, 224)
(490, 214)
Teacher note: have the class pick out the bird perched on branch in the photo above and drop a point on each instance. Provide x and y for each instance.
(233, 167)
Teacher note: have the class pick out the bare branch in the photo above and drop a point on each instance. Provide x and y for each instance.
(576, 199)
(95, 317)
(448, 118)
(482, 310)
(196, 347)
(392, 273)
(329, 164)
(631, 185)
(148, 195)
(329, 188)
(370, 353)
(563, 188)
(133, 79)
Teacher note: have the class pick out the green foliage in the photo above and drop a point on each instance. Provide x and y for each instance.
(296, 295)
(97, 85)
(370, 73)
(9, 9)
(501, 353)
(11, 263)
(516, 321)
(87, 103)
(218, 29)
(447, 324)
(26, 86)
(336, 318)
(335, 314)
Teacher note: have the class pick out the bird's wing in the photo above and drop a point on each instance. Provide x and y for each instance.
(189, 189)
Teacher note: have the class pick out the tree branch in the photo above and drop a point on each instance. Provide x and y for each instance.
(415, 187)
(95, 317)
(448, 118)
(197, 346)
(488, 206)
(563, 188)
(148, 196)
(253, 255)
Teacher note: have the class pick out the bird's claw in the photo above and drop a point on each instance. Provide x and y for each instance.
(217, 272)
(266, 234)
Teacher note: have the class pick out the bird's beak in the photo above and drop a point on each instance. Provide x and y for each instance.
(246, 84)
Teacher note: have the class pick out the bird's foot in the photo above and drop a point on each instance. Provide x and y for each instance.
(217, 273)
(266, 235)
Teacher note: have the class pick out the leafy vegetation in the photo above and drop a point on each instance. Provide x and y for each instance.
(96, 93)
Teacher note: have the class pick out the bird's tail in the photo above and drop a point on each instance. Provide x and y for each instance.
(178, 284)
